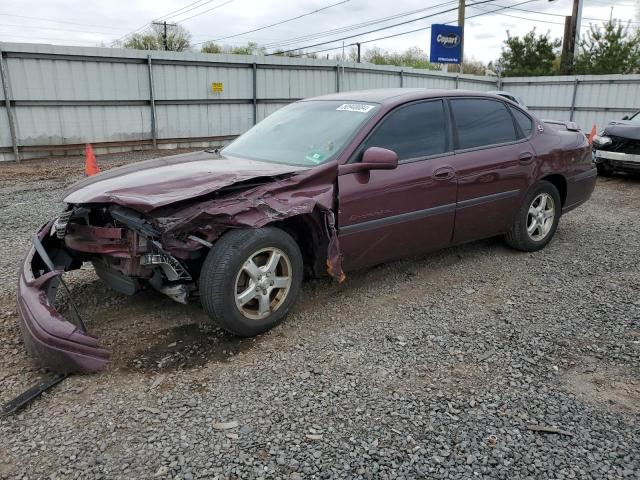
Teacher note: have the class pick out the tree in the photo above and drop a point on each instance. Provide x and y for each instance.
(474, 67)
(610, 48)
(530, 55)
(178, 39)
(412, 57)
(251, 48)
(210, 47)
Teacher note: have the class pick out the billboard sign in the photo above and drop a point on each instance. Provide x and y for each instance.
(446, 44)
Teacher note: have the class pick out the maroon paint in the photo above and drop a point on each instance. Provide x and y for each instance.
(55, 343)
(151, 184)
(180, 195)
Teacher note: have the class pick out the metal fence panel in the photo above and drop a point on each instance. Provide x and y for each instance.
(191, 82)
(62, 125)
(201, 121)
(277, 83)
(5, 136)
(63, 80)
(64, 96)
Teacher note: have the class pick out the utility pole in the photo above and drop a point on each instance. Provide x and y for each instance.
(461, 25)
(571, 39)
(164, 25)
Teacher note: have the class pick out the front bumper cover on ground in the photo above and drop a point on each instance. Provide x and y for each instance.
(55, 342)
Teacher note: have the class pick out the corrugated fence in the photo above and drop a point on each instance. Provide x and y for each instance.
(55, 98)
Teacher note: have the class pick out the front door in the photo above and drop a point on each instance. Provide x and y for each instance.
(389, 214)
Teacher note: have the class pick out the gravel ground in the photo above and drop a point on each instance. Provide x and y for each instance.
(477, 361)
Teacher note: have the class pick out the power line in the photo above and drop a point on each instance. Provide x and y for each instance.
(170, 15)
(279, 23)
(557, 14)
(407, 32)
(55, 21)
(37, 27)
(519, 17)
(206, 11)
(384, 28)
(351, 27)
(175, 12)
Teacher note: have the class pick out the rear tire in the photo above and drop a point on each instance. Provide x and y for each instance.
(250, 279)
(537, 219)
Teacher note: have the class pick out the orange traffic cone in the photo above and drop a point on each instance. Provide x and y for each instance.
(90, 164)
(592, 134)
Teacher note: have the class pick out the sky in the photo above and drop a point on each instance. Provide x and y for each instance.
(99, 23)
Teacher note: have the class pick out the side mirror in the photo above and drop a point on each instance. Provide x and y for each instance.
(373, 158)
(626, 117)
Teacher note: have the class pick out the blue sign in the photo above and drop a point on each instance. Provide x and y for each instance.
(446, 44)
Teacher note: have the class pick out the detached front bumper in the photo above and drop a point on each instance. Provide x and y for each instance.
(56, 343)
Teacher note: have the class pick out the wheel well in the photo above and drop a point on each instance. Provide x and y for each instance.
(308, 232)
(560, 183)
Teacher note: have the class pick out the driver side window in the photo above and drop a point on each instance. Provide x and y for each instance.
(413, 131)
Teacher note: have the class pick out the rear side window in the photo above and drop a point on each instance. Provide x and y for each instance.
(523, 120)
(412, 131)
(482, 122)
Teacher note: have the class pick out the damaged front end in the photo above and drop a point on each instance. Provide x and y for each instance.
(161, 245)
(125, 251)
(618, 148)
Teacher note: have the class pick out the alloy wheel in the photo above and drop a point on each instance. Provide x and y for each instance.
(263, 283)
(540, 216)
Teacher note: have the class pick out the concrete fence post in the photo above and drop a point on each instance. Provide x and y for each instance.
(152, 104)
(457, 81)
(4, 78)
(401, 78)
(337, 77)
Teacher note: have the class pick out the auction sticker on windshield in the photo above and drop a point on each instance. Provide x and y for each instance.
(355, 107)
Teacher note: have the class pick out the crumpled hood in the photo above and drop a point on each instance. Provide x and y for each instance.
(624, 129)
(147, 185)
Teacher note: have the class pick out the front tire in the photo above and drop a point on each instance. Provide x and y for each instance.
(537, 219)
(250, 279)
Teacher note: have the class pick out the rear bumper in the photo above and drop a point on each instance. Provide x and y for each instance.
(579, 189)
(56, 343)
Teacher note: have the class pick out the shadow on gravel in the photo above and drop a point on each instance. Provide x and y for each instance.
(188, 346)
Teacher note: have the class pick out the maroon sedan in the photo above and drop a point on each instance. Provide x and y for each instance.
(329, 184)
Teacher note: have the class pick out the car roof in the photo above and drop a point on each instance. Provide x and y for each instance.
(391, 96)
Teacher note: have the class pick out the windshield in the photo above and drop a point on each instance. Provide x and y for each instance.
(635, 118)
(303, 133)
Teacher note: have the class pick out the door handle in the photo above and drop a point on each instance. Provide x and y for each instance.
(526, 158)
(443, 173)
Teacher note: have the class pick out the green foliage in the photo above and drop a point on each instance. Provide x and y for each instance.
(250, 48)
(178, 39)
(472, 66)
(210, 47)
(610, 48)
(412, 57)
(530, 55)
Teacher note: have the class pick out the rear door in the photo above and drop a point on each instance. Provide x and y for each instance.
(388, 214)
(494, 164)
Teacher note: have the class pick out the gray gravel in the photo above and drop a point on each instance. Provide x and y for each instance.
(477, 361)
